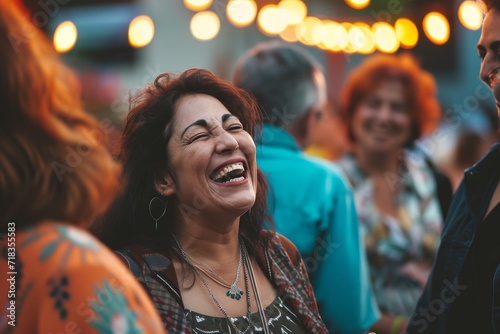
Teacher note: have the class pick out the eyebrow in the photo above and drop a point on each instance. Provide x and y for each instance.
(200, 122)
(493, 46)
(203, 123)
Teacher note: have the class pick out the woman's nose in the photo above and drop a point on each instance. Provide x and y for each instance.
(226, 143)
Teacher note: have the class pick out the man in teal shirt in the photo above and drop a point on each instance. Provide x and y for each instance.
(309, 198)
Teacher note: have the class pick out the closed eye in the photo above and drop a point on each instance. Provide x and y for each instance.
(234, 127)
(198, 136)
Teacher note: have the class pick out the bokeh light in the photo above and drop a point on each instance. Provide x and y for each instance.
(357, 4)
(407, 33)
(141, 31)
(309, 31)
(65, 37)
(241, 13)
(294, 11)
(205, 25)
(470, 15)
(270, 20)
(436, 28)
(385, 37)
(198, 5)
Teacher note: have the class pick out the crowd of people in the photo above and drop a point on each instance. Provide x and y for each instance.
(217, 217)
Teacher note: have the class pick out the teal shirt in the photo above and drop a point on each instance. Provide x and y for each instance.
(313, 205)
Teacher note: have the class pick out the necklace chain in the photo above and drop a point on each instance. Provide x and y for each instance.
(216, 302)
(234, 291)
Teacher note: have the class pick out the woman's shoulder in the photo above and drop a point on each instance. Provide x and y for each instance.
(75, 277)
(281, 244)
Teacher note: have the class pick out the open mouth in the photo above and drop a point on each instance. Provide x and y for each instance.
(231, 173)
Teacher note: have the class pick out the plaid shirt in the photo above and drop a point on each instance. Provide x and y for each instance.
(282, 261)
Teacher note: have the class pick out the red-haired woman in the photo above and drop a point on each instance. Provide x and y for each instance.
(389, 102)
(54, 177)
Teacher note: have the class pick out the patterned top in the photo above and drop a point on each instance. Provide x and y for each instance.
(288, 274)
(280, 319)
(62, 280)
(400, 251)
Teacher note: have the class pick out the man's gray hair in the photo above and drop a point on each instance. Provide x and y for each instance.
(281, 77)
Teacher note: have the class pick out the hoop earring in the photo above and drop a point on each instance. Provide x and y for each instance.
(162, 214)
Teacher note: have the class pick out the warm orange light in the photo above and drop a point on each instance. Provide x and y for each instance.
(368, 46)
(141, 31)
(309, 31)
(198, 5)
(407, 33)
(205, 25)
(358, 4)
(294, 11)
(289, 34)
(385, 37)
(241, 13)
(270, 20)
(470, 15)
(65, 37)
(436, 28)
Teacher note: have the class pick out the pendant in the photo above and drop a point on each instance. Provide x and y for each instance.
(234, 292)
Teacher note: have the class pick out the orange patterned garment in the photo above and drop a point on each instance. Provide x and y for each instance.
(60, 279)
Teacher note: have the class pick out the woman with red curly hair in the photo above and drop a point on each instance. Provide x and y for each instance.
(389, 102)
(55, 176)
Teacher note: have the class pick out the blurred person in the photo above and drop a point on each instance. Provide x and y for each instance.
(54, 177)
(463, 291)
(190, 220)
(329, 139)
(469, 143)
(309, 200)
(388, 102)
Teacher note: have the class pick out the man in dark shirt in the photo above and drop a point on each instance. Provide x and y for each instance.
(463, 292)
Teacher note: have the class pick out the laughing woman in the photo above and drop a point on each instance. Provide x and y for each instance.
(189, 222)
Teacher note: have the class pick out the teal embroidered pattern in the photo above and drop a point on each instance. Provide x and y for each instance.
(114, 315)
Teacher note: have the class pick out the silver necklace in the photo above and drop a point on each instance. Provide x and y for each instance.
(216, 302)
(234, 291)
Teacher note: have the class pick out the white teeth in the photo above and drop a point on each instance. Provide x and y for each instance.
(241, 178)
(227, 169)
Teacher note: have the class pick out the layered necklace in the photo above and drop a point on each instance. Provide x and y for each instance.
(234, 291)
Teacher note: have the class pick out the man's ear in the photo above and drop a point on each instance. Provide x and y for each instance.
(165, 185)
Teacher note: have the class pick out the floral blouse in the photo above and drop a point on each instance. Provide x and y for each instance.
(400, 250)
(62, 280)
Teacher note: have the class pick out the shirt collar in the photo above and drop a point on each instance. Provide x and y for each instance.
(276, 137)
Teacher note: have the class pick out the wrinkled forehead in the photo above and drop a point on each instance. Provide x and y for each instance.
(190, 108)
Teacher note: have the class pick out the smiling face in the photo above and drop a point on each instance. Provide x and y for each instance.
(212, 158)
(489, 50)
(381, 122)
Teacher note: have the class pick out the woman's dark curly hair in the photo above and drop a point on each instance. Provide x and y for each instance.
(145, 159)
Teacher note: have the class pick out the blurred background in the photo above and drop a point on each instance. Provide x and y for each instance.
(120, 45)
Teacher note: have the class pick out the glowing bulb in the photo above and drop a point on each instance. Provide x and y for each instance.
(385, 37)
(205, 25)
(436, 28)
(289, 34)
(141, 31)
(309, 31)
(470, 15)
(407, 33)
(357, 4)
(294, 10)
(65, 36)
(271, 20)
(198, 5)
(241, 13)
